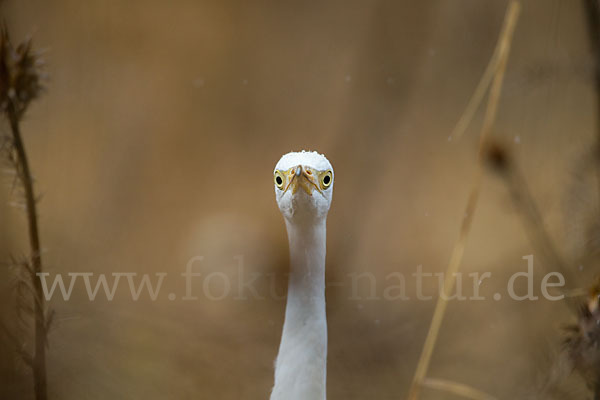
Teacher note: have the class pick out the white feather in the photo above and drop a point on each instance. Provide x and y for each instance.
(301, 366)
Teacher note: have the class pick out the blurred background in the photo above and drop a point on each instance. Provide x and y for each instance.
(155, 142)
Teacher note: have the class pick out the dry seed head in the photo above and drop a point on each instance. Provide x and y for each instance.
(19, 74)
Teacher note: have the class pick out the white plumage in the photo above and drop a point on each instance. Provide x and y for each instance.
(303, 190)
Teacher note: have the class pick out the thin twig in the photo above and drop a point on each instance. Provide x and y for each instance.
(39, 356)
(456, 388)
(459, 247)
(19, 85)
(592, 9)
(478, 94)
(532, 218)
(593, 18)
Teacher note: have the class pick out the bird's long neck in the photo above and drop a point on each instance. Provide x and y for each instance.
(300, 372)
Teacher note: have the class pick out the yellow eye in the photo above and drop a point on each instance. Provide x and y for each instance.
(279, 179)
(326, 179)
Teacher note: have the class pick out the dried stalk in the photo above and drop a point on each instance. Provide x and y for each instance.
(498, 158)
(39, 356)
(593, 21)
(457, 388)
(19, 85)
(459, 247)
(581, 340)
(592, 8)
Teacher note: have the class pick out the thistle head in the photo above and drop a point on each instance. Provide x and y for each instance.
(20, 75)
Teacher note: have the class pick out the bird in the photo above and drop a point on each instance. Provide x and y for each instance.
(303, 191)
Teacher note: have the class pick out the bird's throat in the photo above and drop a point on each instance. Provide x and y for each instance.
(300, 371)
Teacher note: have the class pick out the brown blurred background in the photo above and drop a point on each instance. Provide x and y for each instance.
(156, 139)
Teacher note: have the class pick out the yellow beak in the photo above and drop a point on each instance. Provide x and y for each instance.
(302, 177)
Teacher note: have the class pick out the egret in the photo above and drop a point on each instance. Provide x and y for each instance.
(303, 190)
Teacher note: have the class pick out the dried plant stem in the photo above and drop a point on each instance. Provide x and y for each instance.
(458, 251)
(535, 227)
(477, 97)
(592, 8)
(457, 388)
(39, 357)
(478, 94)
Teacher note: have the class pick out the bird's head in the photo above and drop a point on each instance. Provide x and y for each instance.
(303, 185)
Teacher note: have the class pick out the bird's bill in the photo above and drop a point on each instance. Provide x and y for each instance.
(302, 177)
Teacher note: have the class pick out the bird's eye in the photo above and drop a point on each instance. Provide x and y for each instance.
(326, 179)
(278, 178)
